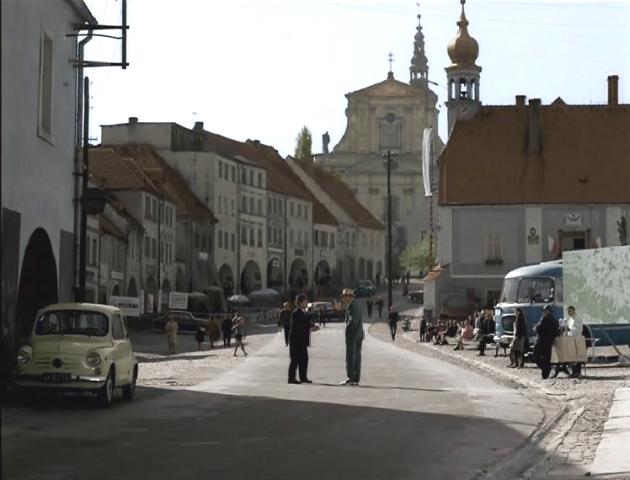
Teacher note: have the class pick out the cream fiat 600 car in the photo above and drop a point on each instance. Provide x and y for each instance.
(79, 347)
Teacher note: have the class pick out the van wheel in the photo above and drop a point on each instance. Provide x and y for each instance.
(106, 393)
(130, 390)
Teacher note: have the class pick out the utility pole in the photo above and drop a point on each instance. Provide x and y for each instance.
(389, 230)
(84, 187)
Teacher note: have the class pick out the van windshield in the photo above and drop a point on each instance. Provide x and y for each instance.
(535, 290)
(72, 322)
(510, 289)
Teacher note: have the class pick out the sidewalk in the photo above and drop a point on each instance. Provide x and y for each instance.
(612, 459)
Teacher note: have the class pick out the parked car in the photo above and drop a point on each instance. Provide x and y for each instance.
(416, 296)
(186, 321)
(326, 311)
(78, 347)
(364, 288)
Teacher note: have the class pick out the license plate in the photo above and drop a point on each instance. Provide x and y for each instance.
(57, 377)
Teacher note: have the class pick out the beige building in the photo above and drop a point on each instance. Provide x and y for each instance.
(389, 116)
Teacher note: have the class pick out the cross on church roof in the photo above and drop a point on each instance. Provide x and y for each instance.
(390, 59)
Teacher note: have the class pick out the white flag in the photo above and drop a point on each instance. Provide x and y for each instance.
(427, 159)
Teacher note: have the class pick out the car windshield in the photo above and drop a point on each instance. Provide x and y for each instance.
(535, 290)
(510, 289)
(72, 322)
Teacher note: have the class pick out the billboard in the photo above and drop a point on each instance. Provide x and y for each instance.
(130, 306)
(597, 284)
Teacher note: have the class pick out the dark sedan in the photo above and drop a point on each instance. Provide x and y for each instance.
(186, 321)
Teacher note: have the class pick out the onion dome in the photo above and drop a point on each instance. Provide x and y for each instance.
(463, 49)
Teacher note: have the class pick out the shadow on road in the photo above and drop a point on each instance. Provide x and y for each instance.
(166, 434)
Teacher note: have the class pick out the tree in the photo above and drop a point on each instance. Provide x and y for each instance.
(416, 257)
(304, 142)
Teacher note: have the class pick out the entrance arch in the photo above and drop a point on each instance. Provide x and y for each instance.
(323, 275)
(115, 291)
(251, 278)
(226, 280)
(298, 277)
(132, 289)
(166, 289)
(38, 281)
(275, 278)
(151, 289)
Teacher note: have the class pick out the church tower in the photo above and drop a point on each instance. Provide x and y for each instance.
(462, 75)
(419, 69)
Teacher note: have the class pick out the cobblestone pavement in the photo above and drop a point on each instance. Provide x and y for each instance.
(572, 443)
(190, 366)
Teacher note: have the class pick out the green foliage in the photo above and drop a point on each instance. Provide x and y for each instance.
(416, 257)
(304, 143)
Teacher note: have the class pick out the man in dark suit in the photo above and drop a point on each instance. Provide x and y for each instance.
(547, 331)
(299, 340)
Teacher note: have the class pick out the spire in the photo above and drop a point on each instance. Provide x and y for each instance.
(390, 59)
(419, 69)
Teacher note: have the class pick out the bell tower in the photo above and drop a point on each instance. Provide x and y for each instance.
(463, 74)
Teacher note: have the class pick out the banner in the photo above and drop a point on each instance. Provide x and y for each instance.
(177, 300)
(427, 160)
(129, 306)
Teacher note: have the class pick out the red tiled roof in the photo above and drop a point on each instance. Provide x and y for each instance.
(164, 176)
(108, 166)
(341, 194)
(584, 157)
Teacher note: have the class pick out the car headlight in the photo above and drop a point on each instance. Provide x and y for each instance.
(93, 359)
(24, 355)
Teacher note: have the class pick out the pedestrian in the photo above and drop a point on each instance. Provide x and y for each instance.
(547, 331)
(284, 321)
(393, 318)
(520, 342)
(200, 335)
(213, 332)
(238, 327)
(485, 329)
(354, 337)
(171, 334)
(370, 305)
(226, 330)
(299, 340)
(423, 329)
(379, 306)
(575, 326)
(408, 276)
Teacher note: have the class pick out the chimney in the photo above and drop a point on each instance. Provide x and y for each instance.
(613, 90)
(520, 100)
(198, 126)
(133, 120)
(534, 135)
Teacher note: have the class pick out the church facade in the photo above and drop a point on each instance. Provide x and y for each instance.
(389, 116)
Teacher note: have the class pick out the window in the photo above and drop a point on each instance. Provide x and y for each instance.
(233, 243)
(269, 235)
(332, 240)
(220, 169)
(291, 237)
(243, 176)
(252, 240)
(225, 239)
(244, 204)
(161, 251)
(299, 238)
(510, 289)
(269, 202)
(147, 246)
(325, 239)
(154, 248)
(493, 247)
(233, 174)
(251, 178)
(244, 235)
(117, 329)
(260, 210)
(94, 251)
(44, 124)
(535, 290)
(147, 207)
(154, 209)
(315, 237)
(299, 210)
(390, 128)
(251, 206)
(306, 212)
(260, 179)
(220, 239)
(292, 209)
(260, 239)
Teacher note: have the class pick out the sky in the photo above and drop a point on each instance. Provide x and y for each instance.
(263, 69)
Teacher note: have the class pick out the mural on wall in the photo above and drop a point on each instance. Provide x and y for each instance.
(596, 284)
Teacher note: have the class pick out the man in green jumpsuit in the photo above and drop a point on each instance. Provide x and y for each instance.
(354, 337)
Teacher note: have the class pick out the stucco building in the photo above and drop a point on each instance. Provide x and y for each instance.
(390, 116)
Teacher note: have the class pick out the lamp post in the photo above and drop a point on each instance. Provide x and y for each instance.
(388, 163)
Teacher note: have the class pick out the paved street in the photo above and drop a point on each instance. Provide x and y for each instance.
(412, 417)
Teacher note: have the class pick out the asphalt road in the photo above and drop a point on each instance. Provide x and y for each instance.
(412, 417)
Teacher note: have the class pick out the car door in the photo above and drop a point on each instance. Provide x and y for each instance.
(121, 353)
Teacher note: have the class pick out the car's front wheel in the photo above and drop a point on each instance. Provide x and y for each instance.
(106, 393)
(130, 390)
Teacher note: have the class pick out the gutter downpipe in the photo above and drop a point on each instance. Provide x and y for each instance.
(78, 184)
